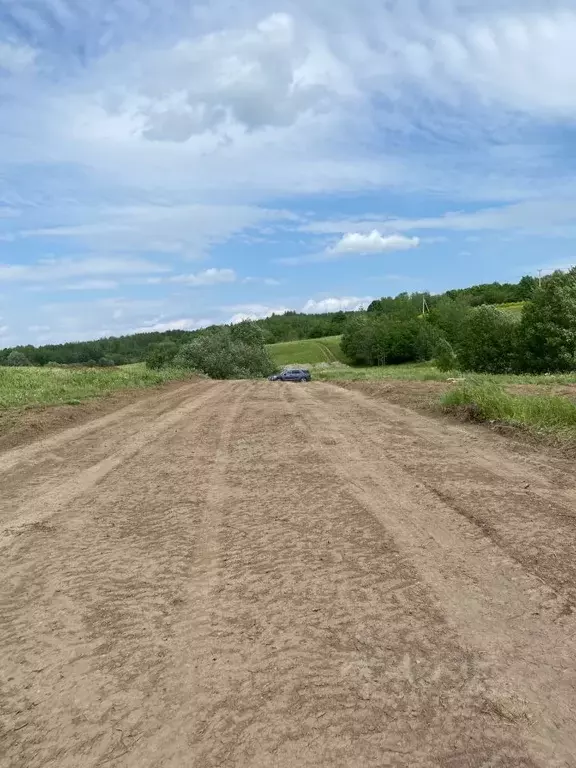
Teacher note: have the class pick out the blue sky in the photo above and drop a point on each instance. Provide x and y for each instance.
(167, 163)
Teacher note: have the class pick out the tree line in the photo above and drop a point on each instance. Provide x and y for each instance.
(462, 334)
(289, 326)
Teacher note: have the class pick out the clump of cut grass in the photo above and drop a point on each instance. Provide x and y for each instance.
(488, 401)
(29, 387)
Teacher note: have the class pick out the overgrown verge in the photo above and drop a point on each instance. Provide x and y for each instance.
(488, 401)
(29, 387)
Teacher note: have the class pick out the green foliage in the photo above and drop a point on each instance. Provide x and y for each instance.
(16, 358)
(487, 343)
(547, 333)
(248, 332)
(405, 306)
(448, 316)
(488, 401)
(446, 359)
(161, 355)
(376, 339)
(221, 356)
(444, 313)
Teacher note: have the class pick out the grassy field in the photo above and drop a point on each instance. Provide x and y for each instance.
(513, 307)
(29, 387)
(428, 372)
(307, 351)
(406, 372)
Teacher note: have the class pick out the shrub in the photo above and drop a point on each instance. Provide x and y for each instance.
(220, 356)
(446, 359)
(161, 355)
(488, 341)
(16, 358)
(547, 333)
(248, 332)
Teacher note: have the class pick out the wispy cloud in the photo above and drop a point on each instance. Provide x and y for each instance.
(53, 270)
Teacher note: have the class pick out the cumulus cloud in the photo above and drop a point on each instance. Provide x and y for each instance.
(355, 242)
(253, 312)
(253, 77)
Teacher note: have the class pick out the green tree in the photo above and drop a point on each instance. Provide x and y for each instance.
(17, 358)
(547, 333)
(374, 339)
(221, 356)
(488, 341)
(248, 332)
(160, 355)
(448, 316)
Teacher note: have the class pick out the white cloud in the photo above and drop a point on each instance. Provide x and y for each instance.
(263, 280)
(341, 304)
(207, 277)
(548, 216)
(252, 312)
(182, 324)
(253, 77)
(355, 242)
(56, 269)
(3, 330)
(16, 59)
(91, 285)
(185, 230)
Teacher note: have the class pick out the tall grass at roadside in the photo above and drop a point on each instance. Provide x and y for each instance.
(486, 400)
(28, 387)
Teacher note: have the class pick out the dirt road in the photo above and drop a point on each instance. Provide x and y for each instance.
(274, 576)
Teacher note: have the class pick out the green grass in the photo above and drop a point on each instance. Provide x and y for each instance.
(307, 351)
(487, 401)
(407, 372)
(29, 387)
(515, 307)
(428, 372)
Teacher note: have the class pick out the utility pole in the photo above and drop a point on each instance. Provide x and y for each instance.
(540, 278)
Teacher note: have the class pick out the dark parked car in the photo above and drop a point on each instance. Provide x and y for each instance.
(291, 374)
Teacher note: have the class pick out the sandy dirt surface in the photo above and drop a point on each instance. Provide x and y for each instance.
(281, 575)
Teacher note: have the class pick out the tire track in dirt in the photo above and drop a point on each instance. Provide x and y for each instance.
(89, 637)
(496, 605)
(194, 639)
(56, 492)
(323, 647)
(525, 503)
(235, 594)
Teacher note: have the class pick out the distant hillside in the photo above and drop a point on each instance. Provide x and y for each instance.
(307, 351)
(287, 328)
